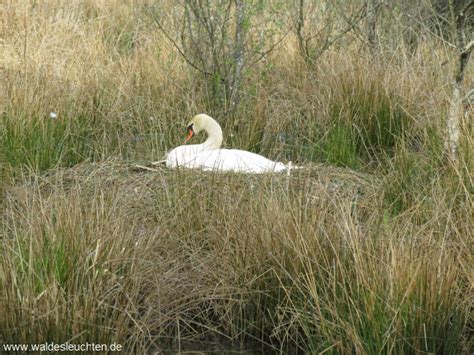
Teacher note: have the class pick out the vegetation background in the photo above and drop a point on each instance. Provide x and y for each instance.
(368, 249)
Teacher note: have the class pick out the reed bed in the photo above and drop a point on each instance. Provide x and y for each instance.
(367, 249)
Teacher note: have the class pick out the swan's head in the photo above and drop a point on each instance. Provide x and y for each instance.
(203, 122)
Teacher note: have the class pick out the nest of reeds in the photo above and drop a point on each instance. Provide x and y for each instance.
(142, 191)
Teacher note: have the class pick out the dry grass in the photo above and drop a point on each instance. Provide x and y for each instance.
(106, 253)
(369, 260)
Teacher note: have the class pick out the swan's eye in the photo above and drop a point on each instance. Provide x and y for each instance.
(190, 127)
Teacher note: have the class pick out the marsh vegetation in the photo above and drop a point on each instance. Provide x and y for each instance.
(368, 249)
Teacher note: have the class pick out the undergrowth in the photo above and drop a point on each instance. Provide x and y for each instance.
(364, 250)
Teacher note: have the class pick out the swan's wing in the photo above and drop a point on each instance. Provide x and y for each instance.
(183, 156)
(236, 161)
(192, 156)
(255, 163)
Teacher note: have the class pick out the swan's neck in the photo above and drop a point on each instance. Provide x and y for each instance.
(214, 132)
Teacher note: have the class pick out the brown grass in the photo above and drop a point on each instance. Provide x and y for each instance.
(373, 259)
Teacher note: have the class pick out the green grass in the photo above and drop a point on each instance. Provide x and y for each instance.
(340, 147)
(367, 121)
(365, 250)
(45, 143)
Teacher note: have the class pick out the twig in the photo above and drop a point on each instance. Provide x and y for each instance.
(272, 47)
(468, 48)
(180, 50)
(145, 168)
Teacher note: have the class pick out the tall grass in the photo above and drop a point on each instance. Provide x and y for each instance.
(365, 250)
(120, 255)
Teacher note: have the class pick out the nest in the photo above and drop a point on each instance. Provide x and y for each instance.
(140, 191)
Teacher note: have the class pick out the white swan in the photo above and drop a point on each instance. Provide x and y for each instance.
(208, 155)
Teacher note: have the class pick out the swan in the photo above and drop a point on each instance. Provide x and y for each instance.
(209, 156)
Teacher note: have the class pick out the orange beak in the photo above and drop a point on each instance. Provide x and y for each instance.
(190, 134)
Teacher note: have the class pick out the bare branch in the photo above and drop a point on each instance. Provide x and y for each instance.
(269, 50)
(178, 48)
(468, 48)
(303, 44)
(371, 24)
(463, 60)
(328, 38)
